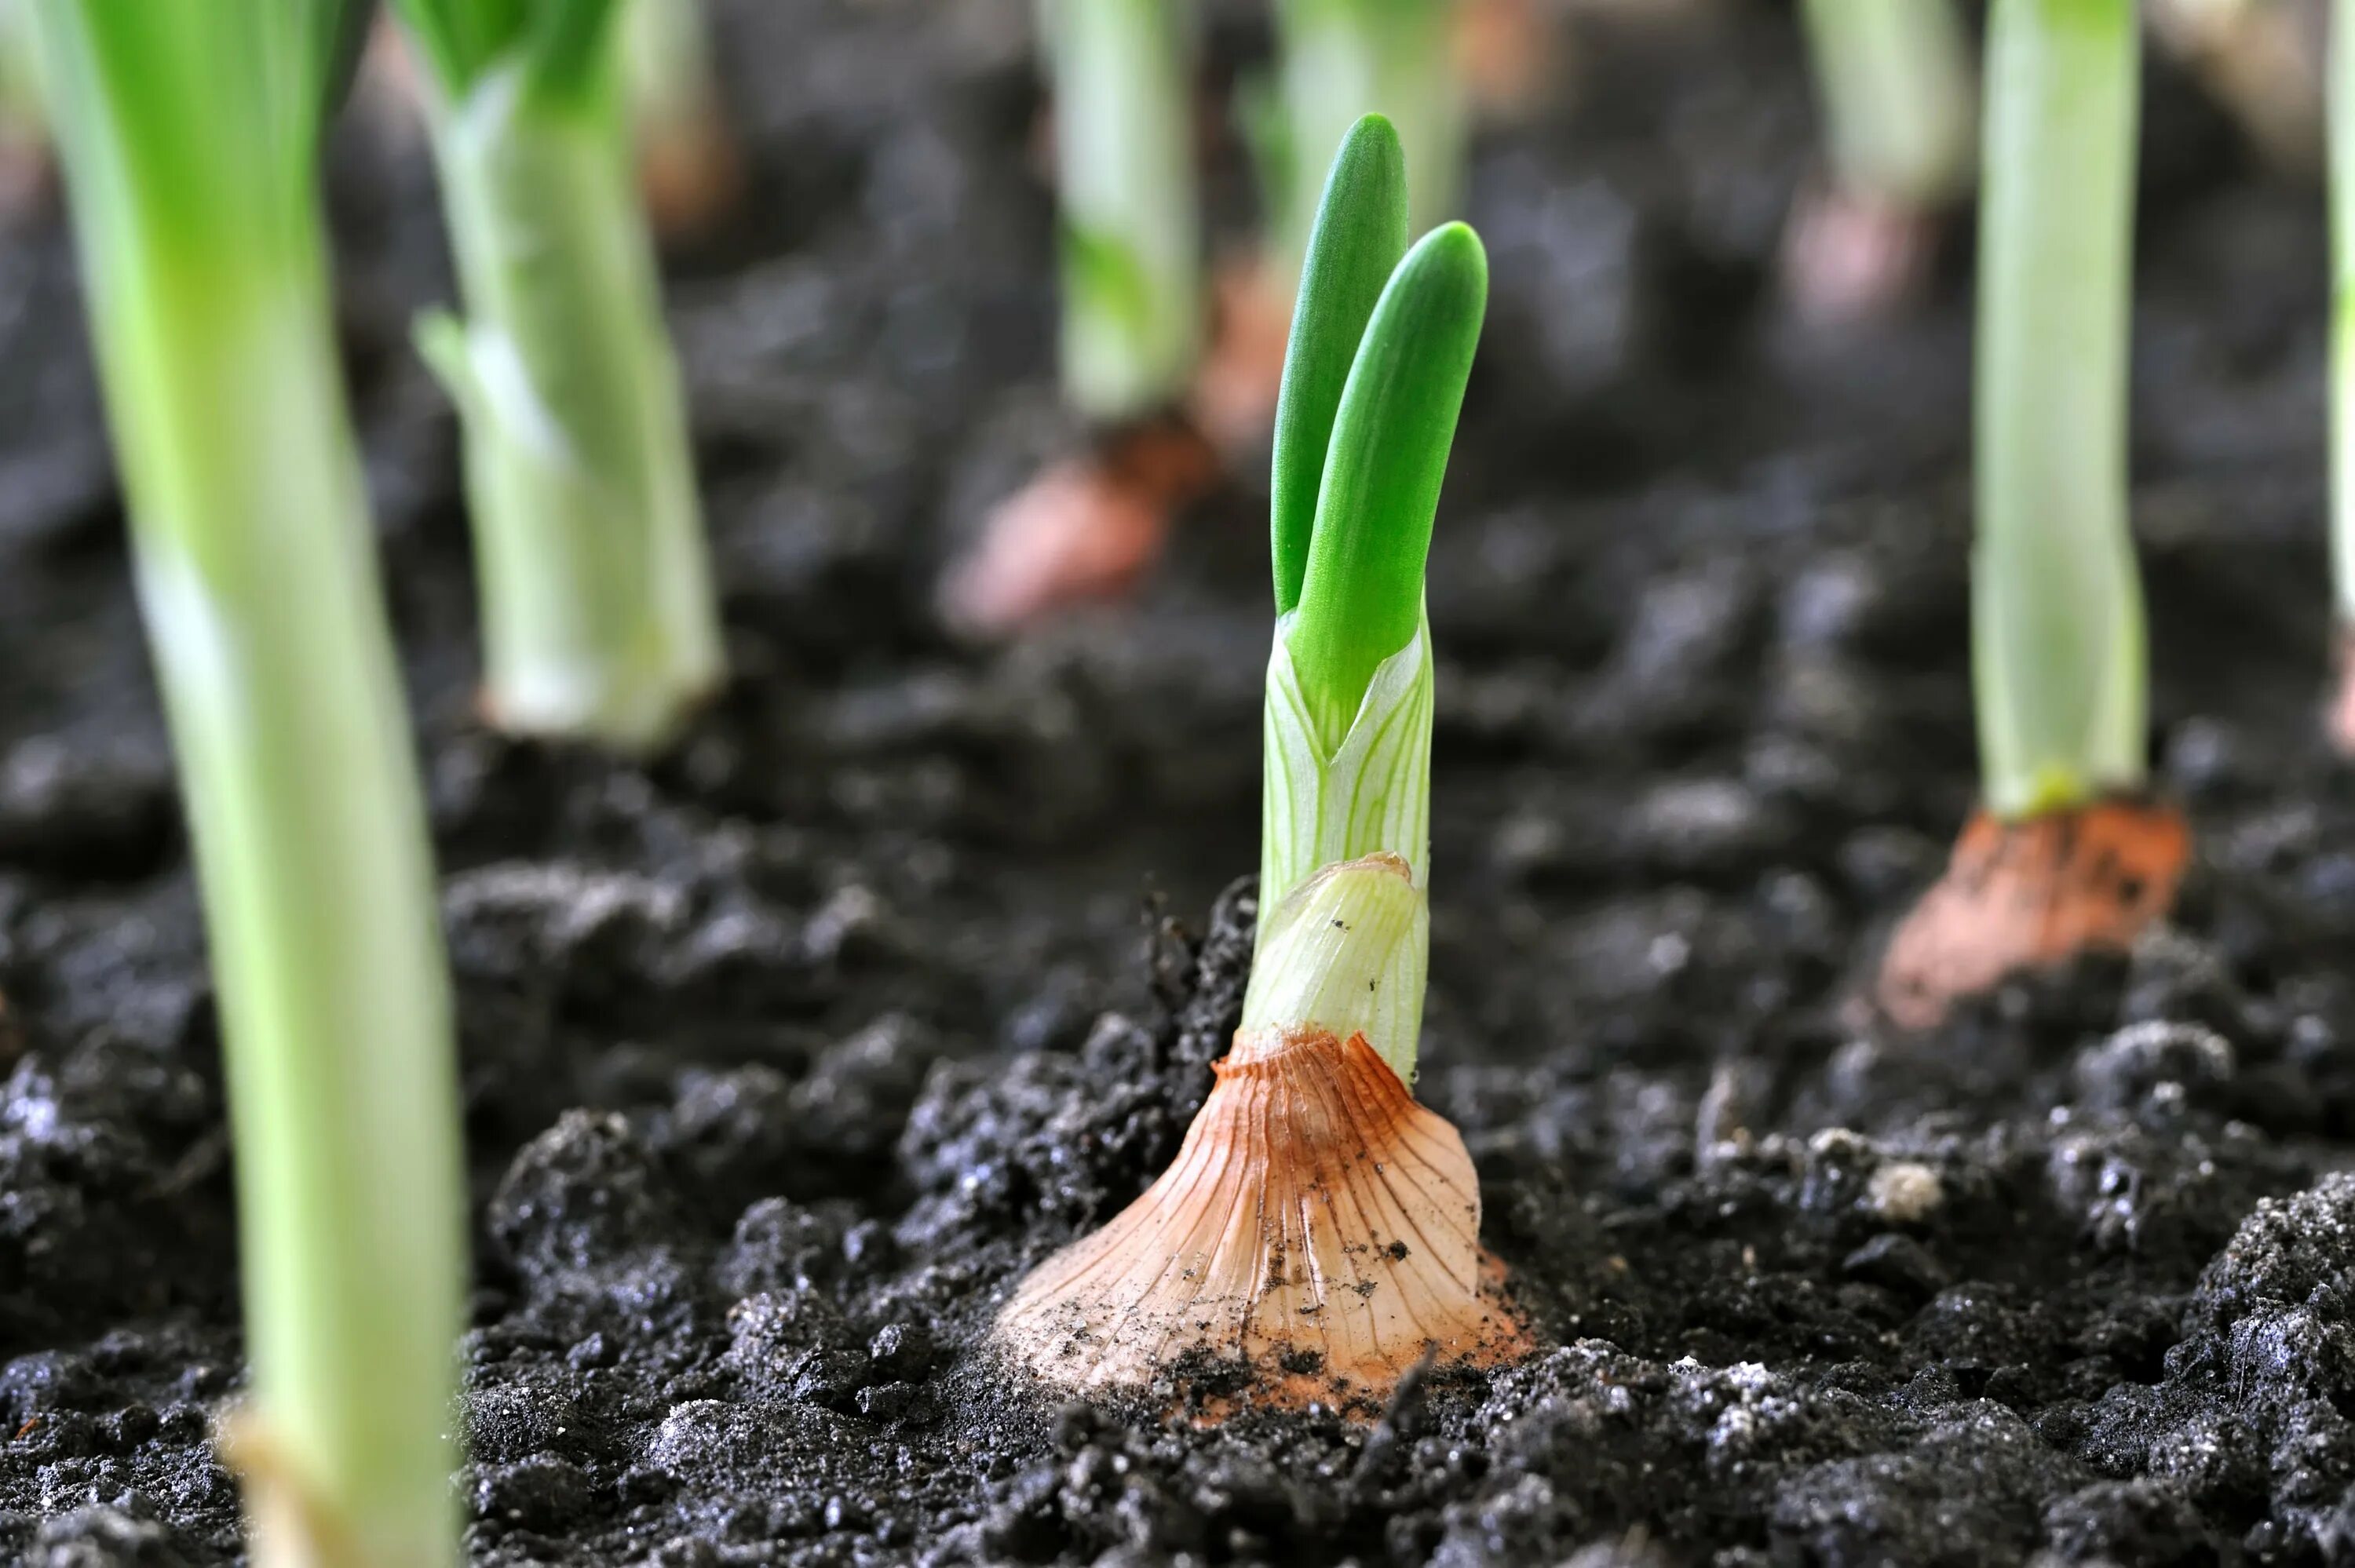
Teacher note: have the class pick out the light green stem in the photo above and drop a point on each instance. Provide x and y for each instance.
(255, 571)
(598, 615)
(1893, 77)
(2343, 304)
(1344, 58)
(1124, 175)
(2057, 618)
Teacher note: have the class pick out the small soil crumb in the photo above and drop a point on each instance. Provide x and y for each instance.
(1904, 1193)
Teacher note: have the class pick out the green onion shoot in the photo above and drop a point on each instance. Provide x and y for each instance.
(2066, 853)
(190, 138)
(689, 169)
(1318, 1232)
(1129, 232)
(598, 615)
(1893, 85)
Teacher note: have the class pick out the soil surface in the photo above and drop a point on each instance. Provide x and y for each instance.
(784, 1057)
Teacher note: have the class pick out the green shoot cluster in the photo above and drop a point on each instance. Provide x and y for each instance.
(598, 615)
(1382, 339)
(2057, 641)
(190, 138)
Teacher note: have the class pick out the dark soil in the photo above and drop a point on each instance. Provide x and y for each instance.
(786, 1057)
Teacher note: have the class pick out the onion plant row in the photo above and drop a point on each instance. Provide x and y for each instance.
(191, 138)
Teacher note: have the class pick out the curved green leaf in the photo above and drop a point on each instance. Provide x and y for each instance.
(1361, 597)
(1360, 235)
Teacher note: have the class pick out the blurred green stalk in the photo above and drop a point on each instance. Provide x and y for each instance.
(1374, 374)
(2057, 620)
(1342, 58)
(190, 138)
(1131, 239)
(1894, 80)
(600, 619)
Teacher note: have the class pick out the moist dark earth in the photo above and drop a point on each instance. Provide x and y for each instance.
(786, 1055)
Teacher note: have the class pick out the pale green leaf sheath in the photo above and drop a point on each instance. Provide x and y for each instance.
(1347, 951)
(2057, 656)
(1321, 804)
(598, 615)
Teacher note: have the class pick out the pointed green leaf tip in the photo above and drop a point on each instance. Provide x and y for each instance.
(1361, 596)
(1360, 233)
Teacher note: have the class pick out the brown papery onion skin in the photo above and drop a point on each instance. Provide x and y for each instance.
(1317, 1234)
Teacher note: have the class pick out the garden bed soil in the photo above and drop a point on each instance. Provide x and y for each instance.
(786, 1057)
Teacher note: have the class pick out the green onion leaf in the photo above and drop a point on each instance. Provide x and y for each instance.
(464, 38)
(569, 47)
(1361, 596)
(1360, 235)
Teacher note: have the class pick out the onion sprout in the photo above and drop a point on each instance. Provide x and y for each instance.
(2059, 659)
(1382, 347)
(599, 616)
(1318, 1229)
(1125, 179)
(2066, 855)
(190, 139)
